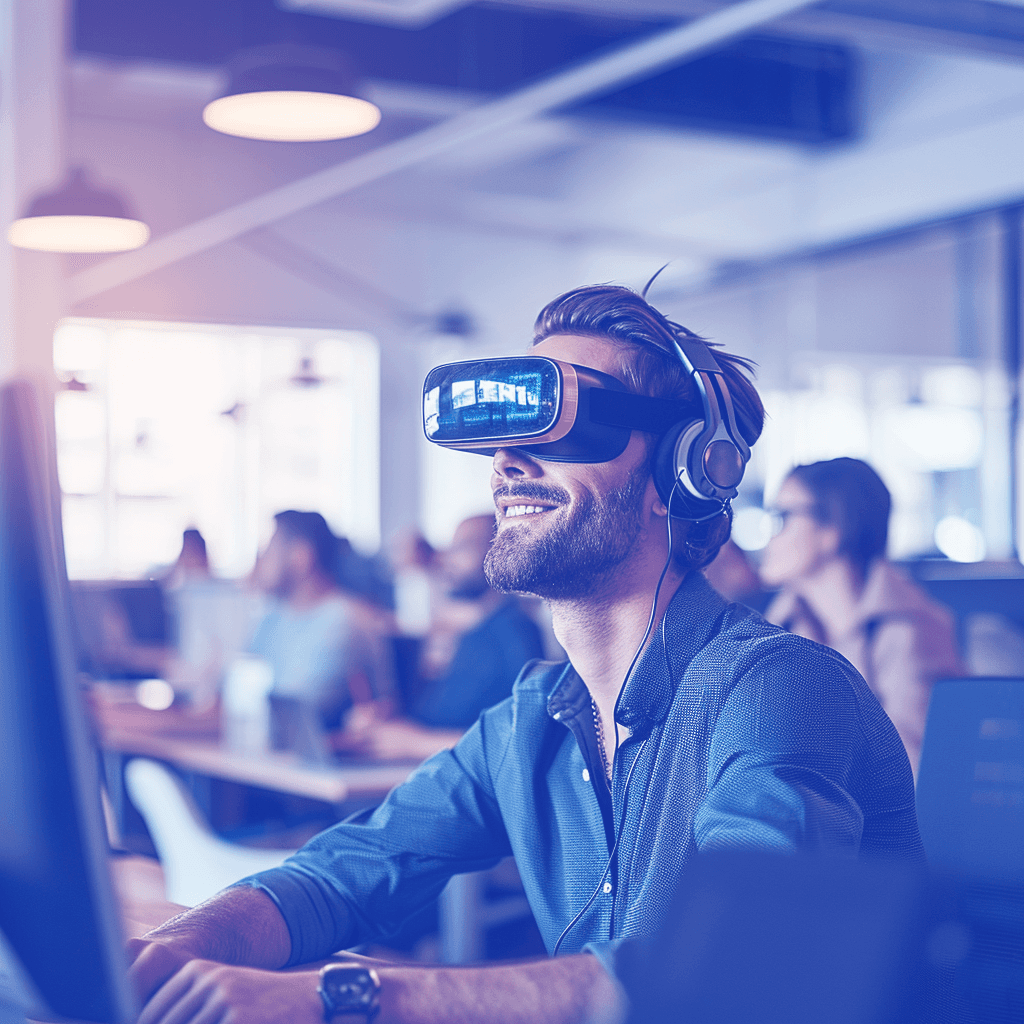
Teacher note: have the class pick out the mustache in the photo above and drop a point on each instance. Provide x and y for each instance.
(527, 490)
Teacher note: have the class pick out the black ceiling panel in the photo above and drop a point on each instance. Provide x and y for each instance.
(980, 18)
(770, 88)
(776, 88)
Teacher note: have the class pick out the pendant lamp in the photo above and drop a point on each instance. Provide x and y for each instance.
(291, 93)
(78, 218)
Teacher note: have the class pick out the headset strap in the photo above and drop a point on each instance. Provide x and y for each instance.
(638, 412)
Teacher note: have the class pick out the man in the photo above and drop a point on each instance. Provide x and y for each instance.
(326, 647)
(478, 641)
(733, 734)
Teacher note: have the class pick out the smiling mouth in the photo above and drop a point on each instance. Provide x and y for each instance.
(514, 511)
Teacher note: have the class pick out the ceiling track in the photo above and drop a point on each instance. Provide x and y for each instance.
(626, 65)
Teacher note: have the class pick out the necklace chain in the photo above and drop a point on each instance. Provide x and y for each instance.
(599, 729)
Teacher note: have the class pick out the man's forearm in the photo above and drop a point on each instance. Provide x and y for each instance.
(243, 927)
(567, 991)
(236, 926)
(559, 991)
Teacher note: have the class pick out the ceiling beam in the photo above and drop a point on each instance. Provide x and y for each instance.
(620, 67)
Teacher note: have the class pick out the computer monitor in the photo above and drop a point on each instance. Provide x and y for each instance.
(970, 789)
(57, 911)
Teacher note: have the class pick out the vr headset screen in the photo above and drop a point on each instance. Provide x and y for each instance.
(491, 400)
(552, 410)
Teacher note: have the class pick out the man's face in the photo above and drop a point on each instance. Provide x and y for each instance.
(282, 564)
(566, 529)
(803, 545)
(461, 565)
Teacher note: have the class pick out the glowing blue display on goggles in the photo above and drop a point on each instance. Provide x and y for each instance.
(556, 411)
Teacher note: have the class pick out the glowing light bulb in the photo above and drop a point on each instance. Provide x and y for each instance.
(291, 116)
(78, 233)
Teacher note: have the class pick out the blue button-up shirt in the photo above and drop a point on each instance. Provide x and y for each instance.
(741, 736)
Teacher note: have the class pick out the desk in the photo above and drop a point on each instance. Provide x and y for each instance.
(273, 770)
(190, 742)
(129, 731)
(139, 887)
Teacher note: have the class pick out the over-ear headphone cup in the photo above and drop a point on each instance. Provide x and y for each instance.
(669, 459)
(664, 468)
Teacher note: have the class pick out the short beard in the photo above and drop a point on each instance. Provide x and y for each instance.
(577, 556)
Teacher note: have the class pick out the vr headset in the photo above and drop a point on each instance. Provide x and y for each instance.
(561, 412)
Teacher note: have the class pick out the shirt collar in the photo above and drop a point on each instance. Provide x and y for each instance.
(691, 619)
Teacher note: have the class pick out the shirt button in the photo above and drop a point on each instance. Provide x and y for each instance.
(606, 888)
(586, 775)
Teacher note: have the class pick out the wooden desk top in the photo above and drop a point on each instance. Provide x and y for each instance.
(139, 886)
(190, 742)
(274, 770)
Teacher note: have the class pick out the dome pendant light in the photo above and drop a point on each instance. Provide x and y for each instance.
(291, 93)
(78, 218)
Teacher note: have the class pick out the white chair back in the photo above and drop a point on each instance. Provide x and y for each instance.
(196, 862)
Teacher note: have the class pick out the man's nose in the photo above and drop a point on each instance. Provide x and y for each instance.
(511, 464)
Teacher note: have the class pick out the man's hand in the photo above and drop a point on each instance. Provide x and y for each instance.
(239, 926)
(204, 992)
(564, 991)
(153, 962)
(394, 739)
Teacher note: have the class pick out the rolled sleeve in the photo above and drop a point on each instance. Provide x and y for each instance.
(362, 878)
(317, 919)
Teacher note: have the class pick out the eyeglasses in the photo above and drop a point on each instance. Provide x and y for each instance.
(781, 516)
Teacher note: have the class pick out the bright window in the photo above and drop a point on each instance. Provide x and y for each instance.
(163, 426)
(936, 430)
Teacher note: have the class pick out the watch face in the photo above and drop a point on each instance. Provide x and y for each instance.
(348, 988)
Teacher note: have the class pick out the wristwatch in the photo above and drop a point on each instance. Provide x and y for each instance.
(349, 991)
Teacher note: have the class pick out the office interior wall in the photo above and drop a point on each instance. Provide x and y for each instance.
(339, 265)
(391, 256)
(32, 156)
(865, 346)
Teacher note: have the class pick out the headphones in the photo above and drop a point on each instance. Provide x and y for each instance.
(698, 464)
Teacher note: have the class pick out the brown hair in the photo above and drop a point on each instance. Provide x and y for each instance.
(849, 495)
(649, 366)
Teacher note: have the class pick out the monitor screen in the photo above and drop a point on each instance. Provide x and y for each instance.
(57, 911)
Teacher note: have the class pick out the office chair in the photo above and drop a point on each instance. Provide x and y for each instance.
(196, 862)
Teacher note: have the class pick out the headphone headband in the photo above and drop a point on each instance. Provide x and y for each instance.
(704, 463)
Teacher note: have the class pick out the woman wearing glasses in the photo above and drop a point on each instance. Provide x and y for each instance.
(836, 587)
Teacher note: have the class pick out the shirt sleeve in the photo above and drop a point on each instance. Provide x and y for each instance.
(361, 879)
(779, 762)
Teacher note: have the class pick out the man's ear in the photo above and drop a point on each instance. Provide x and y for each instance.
(829, 539)
(653, 500)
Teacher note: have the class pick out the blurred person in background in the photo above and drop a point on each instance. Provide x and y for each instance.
(368, 577)
(478, 642)
(192, 564)
(732, 575)
(837, 587)
(328, 649)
